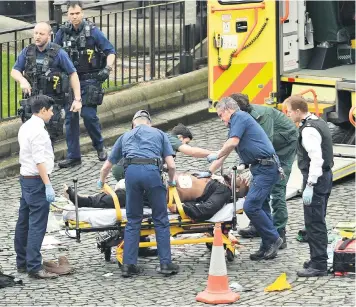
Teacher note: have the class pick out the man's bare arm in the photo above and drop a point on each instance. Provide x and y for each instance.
(195, 152)
(171, 167)
(104, 172)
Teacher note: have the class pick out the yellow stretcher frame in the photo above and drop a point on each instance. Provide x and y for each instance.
(182, 225)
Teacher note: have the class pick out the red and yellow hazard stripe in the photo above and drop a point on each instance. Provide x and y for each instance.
(254, 80)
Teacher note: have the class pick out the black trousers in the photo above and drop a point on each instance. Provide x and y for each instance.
(314, 218)
(215, 196)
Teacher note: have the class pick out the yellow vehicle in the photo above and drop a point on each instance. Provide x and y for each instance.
(271, 49)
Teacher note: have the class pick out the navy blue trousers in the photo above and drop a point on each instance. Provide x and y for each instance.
(256, 208)
(31, 224)
(140, 179)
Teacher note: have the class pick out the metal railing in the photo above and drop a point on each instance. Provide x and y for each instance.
(150, 41)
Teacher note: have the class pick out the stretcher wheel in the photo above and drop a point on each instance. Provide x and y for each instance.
(209, 246)
(107, 254)
(230, 255)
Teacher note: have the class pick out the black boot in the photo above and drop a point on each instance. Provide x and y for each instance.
(273, 249)
(306, 264)
(311, 272)
(168, 269)
(282, 234)
(128, 270)
(249, 232)
(258, 255)
(69, 163)
(102, 155)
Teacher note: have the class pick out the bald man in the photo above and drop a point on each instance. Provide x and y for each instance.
(44, 68)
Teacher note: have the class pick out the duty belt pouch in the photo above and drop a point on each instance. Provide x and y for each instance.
(94, 95)
(344, 256)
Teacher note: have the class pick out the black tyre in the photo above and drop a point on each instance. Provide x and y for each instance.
(343, 134)
(209, 246)
(230, 255)
(107, 254)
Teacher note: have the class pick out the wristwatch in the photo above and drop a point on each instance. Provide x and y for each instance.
(310, 184)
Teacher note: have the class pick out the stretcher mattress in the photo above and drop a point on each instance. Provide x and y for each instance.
(107, 217)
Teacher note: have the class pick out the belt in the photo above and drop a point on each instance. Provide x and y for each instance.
(265, 161)
(142, 161)
(88, 76)
(31, 177)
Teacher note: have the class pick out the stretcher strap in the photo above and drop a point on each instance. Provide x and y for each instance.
(108, 190)
(173, 195)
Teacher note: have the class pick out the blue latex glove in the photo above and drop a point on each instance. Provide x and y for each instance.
(308, 195)
(172, 183)
(212, 157)
(202, 174)
(50, 195)
(99, 184)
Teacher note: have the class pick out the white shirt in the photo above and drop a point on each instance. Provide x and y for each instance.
(311, 141)
(35, 147)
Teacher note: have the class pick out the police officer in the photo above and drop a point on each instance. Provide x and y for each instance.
(93, 56)
(255, 149)
(315, 160)
(37, 161)
(283, 134)
(143, 149)
(43, 68)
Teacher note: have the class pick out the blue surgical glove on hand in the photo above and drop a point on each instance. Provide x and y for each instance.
(212, 157)
(172, 183)
(308, 195)
(50, 195)
(100, 184)
(202, 174)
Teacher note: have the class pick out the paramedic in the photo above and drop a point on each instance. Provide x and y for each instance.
(315, 160)
(254, 148)
(143, 149)
(283, 134)
(37, 161)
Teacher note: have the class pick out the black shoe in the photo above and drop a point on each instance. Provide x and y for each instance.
(128, 270)
(168, 269)
(21, 269)
(69, 163)
(147, 252)
(311, 272)
(102, 155)
(256, 256)
(282, 234)
(42, 274)
(272, 251)
(249, 232)
(306, 264)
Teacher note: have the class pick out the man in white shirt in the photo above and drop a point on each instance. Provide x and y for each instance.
(37, 161)
(315, 160)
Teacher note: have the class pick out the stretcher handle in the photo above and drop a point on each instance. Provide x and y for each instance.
(77, 229)
(234, 221)
(286, 13)
(108, 190)
(351, 116)
(173, 196)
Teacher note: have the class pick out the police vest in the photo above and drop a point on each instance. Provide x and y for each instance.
(81, 48)
(326, 145)
(45, 78)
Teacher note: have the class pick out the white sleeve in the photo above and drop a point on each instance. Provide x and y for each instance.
(311, 141)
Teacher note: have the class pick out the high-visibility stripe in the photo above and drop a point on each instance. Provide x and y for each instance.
(264, 93)
(217, 72)
(243, 78)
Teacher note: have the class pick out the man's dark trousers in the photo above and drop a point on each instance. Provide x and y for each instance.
(314, 218)
(31, 224)
(140, 178)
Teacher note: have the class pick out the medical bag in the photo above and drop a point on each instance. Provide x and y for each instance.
(344, 256)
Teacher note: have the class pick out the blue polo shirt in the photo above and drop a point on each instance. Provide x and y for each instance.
(141, 142)
(96, 37)
(254, 143)
(61, 62)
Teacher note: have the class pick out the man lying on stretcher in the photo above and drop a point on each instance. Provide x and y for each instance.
(201, 198)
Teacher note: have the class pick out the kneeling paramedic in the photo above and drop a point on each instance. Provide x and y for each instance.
(254, 148)
(93, 56)
(315, 160)
(143, 149)
(44, 68)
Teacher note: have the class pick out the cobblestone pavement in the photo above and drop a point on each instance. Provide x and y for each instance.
(89, 287)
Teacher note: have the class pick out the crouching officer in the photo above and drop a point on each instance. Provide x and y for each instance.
(283, 134)
(44, 68)
(93, 56)
(315, 160)
(143, 149)
(255, 149)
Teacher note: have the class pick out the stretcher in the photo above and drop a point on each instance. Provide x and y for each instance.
(179, 224)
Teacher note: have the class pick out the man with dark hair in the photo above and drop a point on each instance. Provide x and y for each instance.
(93, 56)
(315, 160)
(37, 161)
(283, 134)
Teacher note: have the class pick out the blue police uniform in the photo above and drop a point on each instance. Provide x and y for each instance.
(88, 112)
(144, 142)
(254, 145)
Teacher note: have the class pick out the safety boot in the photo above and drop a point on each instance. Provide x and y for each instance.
(272, 251)
(258, 255)
(69, 163)
(128, 270)
(311, 272)
(282, 234)
(102, 155)
(168, 268)
(249, 232)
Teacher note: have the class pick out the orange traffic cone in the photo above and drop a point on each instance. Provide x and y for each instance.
(218, 290)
